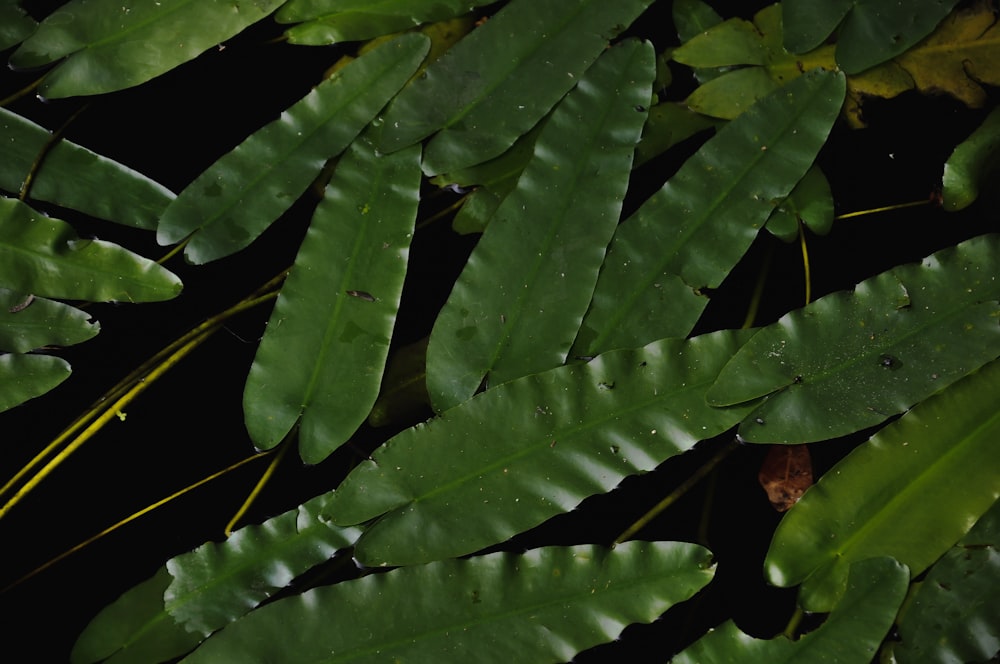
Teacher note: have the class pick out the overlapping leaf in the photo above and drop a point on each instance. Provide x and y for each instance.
(532, 448)
(24, 377)
(971, 164)
(951, 615)
(110, 45)
(672, 247)
(910, 492)
(518, 303)
(15, 24)
(852, 359)
(199, 592)
(871, 31)
(28, 323)
(810, 203)
(850, 635)
(332, 21)
(43, 256)
(74, 177)
(238, 197)
(482, 103)
(541, 606)
(320, 362)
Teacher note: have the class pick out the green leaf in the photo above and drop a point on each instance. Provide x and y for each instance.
(532, 448)
(238, 197)
(24, 377)
(969, 166)
(850, 635)
(321, 360)
(871, 31)
(332, 21)
(74, 177)
(43, 256)
(692, 17)
(110, 45)
(198, 592)
(403, 396)
(910, 492)
(483, 103)
(518, 303)
(28, 323)
(811, 203)
(852, 359)
(15, 24)
(664, 255)
(668, 124)
(541, 606)
(951, 617)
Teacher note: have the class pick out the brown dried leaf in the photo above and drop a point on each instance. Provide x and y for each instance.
(785, 474)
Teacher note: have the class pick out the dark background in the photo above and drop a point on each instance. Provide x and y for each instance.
(189, 424)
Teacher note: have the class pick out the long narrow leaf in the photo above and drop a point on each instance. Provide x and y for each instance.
(483, 102)
(238, 197)
(43, 256)
(542, 606)
(692, 232)
(532, 448)
(910, 492)
(852, 359)
(199, 592)
(850, 635)
(28, 323)
(24, 377)
(74, 177)
(322, 357)
(113, 45)
(517, 306)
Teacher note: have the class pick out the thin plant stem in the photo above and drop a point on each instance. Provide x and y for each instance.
(887, 208)
(805, 262)
(677, 493)
(434, 217)
(133, 517)
(793, 624)
(261, 483)
(758, 291)
(53, 139)
(23, 91)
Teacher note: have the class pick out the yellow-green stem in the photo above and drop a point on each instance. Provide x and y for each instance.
(887, 208)
(261, 483)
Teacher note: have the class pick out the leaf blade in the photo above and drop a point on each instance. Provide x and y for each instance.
(28, 323)
(24, 377)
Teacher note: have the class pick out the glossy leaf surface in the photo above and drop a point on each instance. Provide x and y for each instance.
(43, 256)
(332, 21)
(198, 592)
(15, 24)
(321, 359)
(74, 177)
(518, 303)
(852, 359)
(951, 616)
(671, 247)
(238, 197)
(871, 31)
(24, 377)
(850, 635)
(970, 165)
(541, 606)
(110, 45)
(910, 492)
(532, 448)
(483, 103)
(28, 323)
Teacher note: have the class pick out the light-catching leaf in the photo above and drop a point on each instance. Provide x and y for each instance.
(951, 616)
(532, 448)
(972, 162)
(663, 255)
(43, 256)
(871, 31)
(321, 359)
(199, 592)
(810, 203)
(110, 45)
(28, 323)
(483, 103)
(850, 635)
(850, 360)
(910, 492)
(518, 303)
(15, 24)
(24, 377)
(545, 605)
(74, 177)
(238, 197)
(332, 21)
